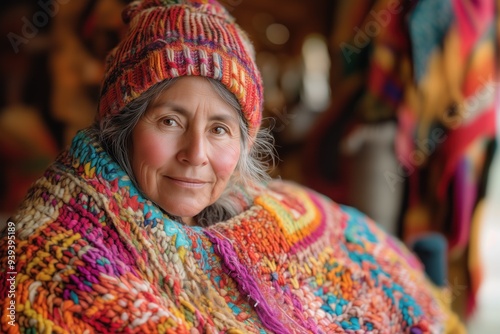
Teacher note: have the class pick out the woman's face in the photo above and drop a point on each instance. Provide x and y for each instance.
(186, 147)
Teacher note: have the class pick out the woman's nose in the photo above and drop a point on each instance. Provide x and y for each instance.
(193, 151)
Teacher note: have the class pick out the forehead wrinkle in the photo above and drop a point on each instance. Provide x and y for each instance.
(214, 115)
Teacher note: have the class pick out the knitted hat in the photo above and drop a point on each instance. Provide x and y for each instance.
(168, 39)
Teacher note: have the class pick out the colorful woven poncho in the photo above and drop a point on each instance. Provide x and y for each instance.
(92, 255)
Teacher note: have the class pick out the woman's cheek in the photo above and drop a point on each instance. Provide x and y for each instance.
(226, 160)
(153, 149)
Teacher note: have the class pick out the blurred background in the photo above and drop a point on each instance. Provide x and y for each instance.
(390, 106)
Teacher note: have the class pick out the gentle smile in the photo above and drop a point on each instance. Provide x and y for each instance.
(187, 182)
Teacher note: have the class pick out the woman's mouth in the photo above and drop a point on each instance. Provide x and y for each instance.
(187, 182)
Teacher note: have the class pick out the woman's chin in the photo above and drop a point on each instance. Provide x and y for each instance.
(187, 216)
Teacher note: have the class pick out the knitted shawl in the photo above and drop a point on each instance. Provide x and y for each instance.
(92, 255)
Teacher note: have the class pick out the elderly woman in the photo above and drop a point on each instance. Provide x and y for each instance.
(161, 219)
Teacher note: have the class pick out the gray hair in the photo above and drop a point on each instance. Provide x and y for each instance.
(115, 133)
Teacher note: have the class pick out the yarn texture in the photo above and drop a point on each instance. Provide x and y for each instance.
(94, 256)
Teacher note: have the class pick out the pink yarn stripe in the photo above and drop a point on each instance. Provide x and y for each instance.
(246, 284)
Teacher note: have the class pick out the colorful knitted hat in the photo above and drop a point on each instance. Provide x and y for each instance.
(168, 39)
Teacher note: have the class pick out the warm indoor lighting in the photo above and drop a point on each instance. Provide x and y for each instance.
(277, 33)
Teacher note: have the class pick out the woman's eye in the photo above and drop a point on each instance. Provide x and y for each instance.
(169, 122)
(219, 130)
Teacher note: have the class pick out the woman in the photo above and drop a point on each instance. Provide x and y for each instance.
(160, 218)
